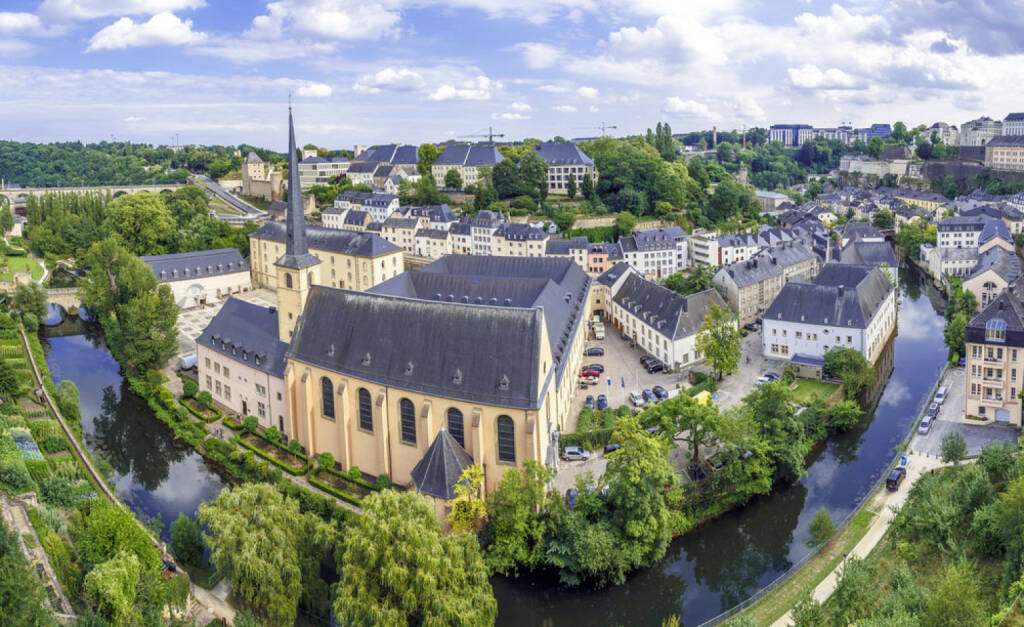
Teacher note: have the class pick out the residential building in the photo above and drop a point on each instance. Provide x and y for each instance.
(879, 130)
(462, 238)
(710, 249)
(201, 277)
(402, 231)
(995, 270)
(945, 133)
(859, 231)
(350, 259)
(1012, 216)
(751, 286)
(576, 248)
(565, 160)
(1005, 153)
(934, 203)
(436, 216)
(663, 323)
(466, 160)
(979, 132)
(320, 171)
(603, 255)
(361, 172)
(380, 206)
(241, 362)
(482, 229)
(770, 201)
(390, 154)
(518, 240)
(497, 370)
(791, 135)
(994, 346)
(848, 306)
(959, 231)
(433, 243)
(656, 253)
(1013, 124)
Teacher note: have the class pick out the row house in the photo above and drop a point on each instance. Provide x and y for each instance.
(751, 286)
(656, 253)
(518, 240)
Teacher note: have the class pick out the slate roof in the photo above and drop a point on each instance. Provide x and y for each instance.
(453, 155)
(566, 246)
(861, 230)
(333, 240)
(355, 216)
(864, 288)
(440, 468)
(611, 275)
(961, 223)
(364, 167)
(436, 213)
(252, 157)
(1014, 116)
(243, 331)
(395, 222)
(1006, 307)
(484, 155)
(487, 218)
(461, 228)
(766, 264)
(870, 253)
(433, 233)
(1001, 211)
(519, 232)
(405, 154)
(382, 170)
(195, 265)
(485, 317)
(994, 228)
(1003, 262)
(1006, 140)
(612, 249)
(562, 153)
(668, 313)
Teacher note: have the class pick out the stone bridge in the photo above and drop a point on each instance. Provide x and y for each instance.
(14, 195)
(66, 297)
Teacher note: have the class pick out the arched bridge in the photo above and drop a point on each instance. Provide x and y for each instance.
(117, 190)
(66, 297)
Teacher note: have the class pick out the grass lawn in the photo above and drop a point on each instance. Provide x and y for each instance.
(808, 390)
(18, 264)
(782, 599)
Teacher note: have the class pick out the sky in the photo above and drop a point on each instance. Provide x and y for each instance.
(378, 71)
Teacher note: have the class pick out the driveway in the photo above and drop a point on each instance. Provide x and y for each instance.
(951, 419)
(568, 471)
(732, 388)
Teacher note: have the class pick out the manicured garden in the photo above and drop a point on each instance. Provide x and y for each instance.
(807, 391)
(21, 264)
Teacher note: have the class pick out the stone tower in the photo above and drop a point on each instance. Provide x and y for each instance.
(297, 269)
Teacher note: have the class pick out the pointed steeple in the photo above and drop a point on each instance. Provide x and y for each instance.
(296, 252)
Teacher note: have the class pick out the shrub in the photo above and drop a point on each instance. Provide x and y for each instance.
(57, 491)
(39, 469)
(250, 424)
(165, 397)
(16, 477)
(383, 482)
(591, 440)
(354, 473)
(185, 540)
(31, 322)
(272, 433)
(189, 388)
(294, 446)
(6, 322)
(325, 460)
(205, 398)
(821, 528)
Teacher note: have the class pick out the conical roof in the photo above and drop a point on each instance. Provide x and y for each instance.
(296, 251)
(441, 466)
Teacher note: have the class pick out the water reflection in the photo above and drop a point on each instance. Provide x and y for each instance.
(55, 314)
(722, 563)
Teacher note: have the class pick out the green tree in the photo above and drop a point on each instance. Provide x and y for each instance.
(428, 154)
(424, 577)
(725, 152)
(957, 599)
(954, 447)
(109, 529)
(67, 400)
(882, 219)
(533, 172)
(468, 509)
(699, 279)
(9, 382)
(506, 179)
(30, 298)
(899, 133)
(770, 407)
(875, 147)
(845, 415)
(189, 388)
(6, 219)
(186, 542)
(22, 597)
(697, 171)
(267, 549)
(112, 587)
(141, 222)
(515, 534)
(682, 414)
(719, 341)
(852, 367)
(624, 223)
(954, 332)
(856, 592)
(821, 528)
(587, 187)
(570, 186)
(452, 179)
(325, 460)
(997, 460)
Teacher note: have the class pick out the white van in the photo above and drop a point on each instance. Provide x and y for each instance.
(940, 395)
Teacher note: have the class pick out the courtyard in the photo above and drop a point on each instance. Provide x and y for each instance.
(191, 322)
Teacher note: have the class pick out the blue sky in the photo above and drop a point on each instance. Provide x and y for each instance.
(375, 71)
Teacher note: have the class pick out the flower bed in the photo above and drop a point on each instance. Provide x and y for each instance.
(208, 415)
(231, 423)
(337, 484)
(294, 463)
(27, 446)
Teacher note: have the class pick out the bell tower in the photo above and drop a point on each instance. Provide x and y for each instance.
(297, 269)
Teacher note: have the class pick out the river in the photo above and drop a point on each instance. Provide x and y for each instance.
(704, 573)
(154, 474)
(722, 563)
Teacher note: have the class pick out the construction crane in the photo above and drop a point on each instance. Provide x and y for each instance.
(604, 127)
(490, 135)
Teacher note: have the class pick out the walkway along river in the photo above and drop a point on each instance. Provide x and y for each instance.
(722, 563)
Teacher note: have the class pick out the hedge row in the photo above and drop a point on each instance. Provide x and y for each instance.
(588, 440)
(336, 493)
(218, 412)
(231, 423)
(274, 460)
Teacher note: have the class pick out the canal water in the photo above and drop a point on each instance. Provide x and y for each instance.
(153, 473)
(720, 564)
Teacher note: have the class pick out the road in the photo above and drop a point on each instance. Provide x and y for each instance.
(247, 210)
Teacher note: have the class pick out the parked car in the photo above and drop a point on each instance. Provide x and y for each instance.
(590, 372)
(895, 478)
(589, 402)
(940, 395)
(575, 454)
(933, 410)
(750, 327)
(771, 376)
(595, 351)
(602, 402)
(660, 392)
(597, 367)
(637, 399)
(762, 379)
(650, 397)
(588, 380)
(926, 425)
(611, 448)
(599, 334)
(570, 497)
(646, 359)
(655, 366)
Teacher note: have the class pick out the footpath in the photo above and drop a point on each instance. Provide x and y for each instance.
(888, 504)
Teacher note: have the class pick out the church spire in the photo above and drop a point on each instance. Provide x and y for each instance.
(296, 252)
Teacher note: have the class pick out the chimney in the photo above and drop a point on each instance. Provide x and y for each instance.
(842, 289)
(755, 263)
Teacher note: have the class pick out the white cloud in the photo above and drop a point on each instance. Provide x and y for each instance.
(314, 90)
(15, 47)
(519, 106)
(327, 19)
(479, 88)
(389, 79)
(133, 118)
(675, 104)
(554, 89)
(509, 116)
(63, 10)
(586, 92)
(19, 23)
(564, 108)
(593, 109)
(809, 76)
(538, 56)
(163, 29)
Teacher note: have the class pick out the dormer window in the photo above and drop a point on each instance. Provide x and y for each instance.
(995, 330)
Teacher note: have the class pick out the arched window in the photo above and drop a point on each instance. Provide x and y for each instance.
(408, 412)
(365, 410)
(455, 426)
(287, 280)
(506, 440)
(327, 388)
